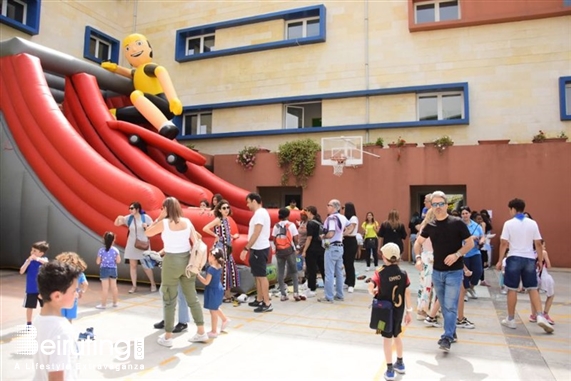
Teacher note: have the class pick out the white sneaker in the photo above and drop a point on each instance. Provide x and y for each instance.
(509, 323)
(198, 338)
(543, 323)
(350, 290)
(100, 307)
(164, 342)
(367, 268)
(471, 293)
(465, 298)
(310, 294)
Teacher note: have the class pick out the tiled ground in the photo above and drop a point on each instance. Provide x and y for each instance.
(303, 340)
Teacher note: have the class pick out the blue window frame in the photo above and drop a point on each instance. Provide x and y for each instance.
(565, 98)
(199, 42)
(23, 15)
(453, 119)
(99, 47)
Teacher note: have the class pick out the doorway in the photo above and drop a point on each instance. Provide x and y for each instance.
(280, 197)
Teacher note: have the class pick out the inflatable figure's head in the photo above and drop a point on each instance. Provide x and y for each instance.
(137, 50)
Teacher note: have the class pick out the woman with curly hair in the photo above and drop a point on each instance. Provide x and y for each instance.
(219, 228)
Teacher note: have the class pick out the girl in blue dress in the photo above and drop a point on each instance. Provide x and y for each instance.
(213, 291)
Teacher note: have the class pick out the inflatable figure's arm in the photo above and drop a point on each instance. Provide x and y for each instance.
(164, 78)
(114, 68)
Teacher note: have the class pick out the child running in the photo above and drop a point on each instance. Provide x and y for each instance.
(214, 292)
(73, 259)
(108, 257)
(389, 286)
(31, 268)
(57, 285)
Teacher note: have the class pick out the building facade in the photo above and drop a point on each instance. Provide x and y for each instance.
(251, 72)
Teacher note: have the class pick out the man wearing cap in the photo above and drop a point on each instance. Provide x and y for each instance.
(334, 224)
(450, 241)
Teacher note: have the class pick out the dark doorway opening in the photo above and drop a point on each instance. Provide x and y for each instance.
(279, 197)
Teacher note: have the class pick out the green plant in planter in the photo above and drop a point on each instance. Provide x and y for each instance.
(380, 142)
(539, 137)
(297, 158)
(442, 142)
(247, 157)
(562, 135)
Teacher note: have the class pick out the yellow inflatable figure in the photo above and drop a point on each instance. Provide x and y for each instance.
(154, 99)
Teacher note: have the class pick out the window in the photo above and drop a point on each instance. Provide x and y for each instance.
(565, 98)
(302, 28)
(435, 11)
(200, 44)
(302, 115)
(23, 15)
(197, 124)
(99, 47)
(444, 106)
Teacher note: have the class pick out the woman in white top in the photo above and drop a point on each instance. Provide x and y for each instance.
(350, 245)
(177, 232)
(136, 221)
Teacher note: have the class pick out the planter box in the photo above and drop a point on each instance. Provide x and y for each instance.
(497, 141)
(551, 140)
(394, 145)
(429, 144)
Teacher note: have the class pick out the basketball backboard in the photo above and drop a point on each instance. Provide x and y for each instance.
(347, 148)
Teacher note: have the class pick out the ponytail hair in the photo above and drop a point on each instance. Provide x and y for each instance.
(108, 239)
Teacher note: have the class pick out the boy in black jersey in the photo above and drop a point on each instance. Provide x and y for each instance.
(389, 286)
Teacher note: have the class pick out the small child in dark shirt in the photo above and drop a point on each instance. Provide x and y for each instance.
(389, 286)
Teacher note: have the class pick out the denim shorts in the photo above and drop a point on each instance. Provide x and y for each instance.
(108, 272)
(520, 269)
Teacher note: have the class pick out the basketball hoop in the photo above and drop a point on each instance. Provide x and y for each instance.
(338, 166)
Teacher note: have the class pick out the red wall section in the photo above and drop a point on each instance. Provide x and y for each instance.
(492, 174)
(492, 12)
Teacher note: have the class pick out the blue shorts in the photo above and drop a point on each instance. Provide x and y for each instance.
(520, 269)
(108, 272)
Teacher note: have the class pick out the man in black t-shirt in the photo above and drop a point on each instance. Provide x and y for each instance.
(447, 235)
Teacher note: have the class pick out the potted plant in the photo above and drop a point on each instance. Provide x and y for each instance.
(541, 137)
(401, 143)
(442, 142)
(247, 157)
(380, 142)
(297, 158)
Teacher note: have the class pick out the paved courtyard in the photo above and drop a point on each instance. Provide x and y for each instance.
(301, 340)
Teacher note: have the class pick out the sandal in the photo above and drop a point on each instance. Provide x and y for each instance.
(228, 300)
(298, 298)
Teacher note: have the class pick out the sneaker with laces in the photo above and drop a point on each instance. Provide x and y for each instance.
(164, 341)
(199, 338)
(464, 323)
(543, 323)
(549, 320)
(255, 303)
(101, 306)
(509, 323)
(325, 300)
(264, 308)
(310, 294)
(350, 290)
(444, 344)
(390, 374)
(472, 293)
(399, 367)
(503, 291)
(432, 322)
(284, 298)
(454, 338)
(339, 298)
(532, 318)
(179, 327)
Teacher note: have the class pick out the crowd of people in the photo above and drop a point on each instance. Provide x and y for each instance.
(450, 254)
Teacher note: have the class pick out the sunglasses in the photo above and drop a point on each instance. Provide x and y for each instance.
(438, 204)
(131, 208)
(225, 208)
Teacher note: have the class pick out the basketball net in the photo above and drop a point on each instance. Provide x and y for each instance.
(338, 166)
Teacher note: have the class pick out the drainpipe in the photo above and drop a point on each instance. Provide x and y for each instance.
(135, 4)
(367, 81)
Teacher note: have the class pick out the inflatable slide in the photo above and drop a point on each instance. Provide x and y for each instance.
(69, 169)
